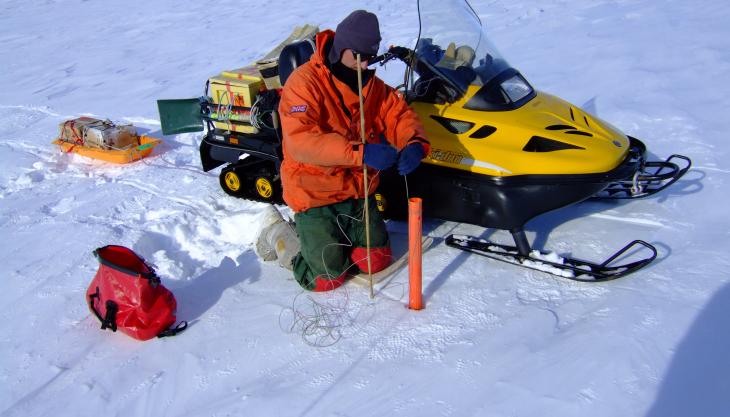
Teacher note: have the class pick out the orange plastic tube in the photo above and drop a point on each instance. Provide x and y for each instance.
(415, 222)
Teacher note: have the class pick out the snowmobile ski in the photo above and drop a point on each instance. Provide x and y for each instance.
(554, 264)
(378, 277)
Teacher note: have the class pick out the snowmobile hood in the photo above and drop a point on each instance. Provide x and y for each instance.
(545, 136)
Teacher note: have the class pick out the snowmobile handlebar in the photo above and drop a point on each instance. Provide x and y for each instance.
(400, 52)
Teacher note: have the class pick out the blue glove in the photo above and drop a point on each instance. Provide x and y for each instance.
(410, 158)
(379, 156)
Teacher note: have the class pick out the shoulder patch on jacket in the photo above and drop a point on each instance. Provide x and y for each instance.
(298, 109)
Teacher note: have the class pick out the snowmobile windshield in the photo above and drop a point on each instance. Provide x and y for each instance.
(454, 46)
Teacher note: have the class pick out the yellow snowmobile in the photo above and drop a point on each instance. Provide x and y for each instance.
(502, 152)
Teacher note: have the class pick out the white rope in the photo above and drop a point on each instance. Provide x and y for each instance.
(255, 114)
(324, 318)
(319, 319)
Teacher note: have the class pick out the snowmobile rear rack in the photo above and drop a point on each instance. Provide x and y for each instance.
(551, 263)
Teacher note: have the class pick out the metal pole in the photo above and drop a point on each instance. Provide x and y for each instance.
(364, 174)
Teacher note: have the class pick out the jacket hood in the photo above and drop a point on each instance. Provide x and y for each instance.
(324, 41)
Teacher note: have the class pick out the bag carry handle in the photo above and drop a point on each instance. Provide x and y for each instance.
(110, 321)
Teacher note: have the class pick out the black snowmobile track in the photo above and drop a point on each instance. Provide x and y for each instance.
(573, 269)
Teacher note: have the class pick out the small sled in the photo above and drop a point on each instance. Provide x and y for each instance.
(117, 156)
(102, 139)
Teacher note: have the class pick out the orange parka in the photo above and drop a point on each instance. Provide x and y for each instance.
(321, 143)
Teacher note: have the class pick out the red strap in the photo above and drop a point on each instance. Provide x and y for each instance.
(70, 124)
(230, 93)
(233, 96)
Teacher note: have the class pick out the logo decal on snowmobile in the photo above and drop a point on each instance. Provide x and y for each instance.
(456, 158)
(446, 156)
(298, 109)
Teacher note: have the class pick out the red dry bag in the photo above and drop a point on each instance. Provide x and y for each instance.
(126, 294)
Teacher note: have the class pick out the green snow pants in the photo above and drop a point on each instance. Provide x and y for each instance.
(333, 240)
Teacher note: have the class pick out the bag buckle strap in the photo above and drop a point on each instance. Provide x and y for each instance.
(172, 331)
(110, 319)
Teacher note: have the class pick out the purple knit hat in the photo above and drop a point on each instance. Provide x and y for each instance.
(359, 31)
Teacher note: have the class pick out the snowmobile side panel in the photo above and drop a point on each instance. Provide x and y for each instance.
(219, 147)
(502, 202)
(180, 116)
(209, 161)
(264, 145)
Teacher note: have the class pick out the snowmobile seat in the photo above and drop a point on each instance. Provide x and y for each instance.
(292, 56)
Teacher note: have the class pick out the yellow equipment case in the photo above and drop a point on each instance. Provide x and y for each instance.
(232, 94)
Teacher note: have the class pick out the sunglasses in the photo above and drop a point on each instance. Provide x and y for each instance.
(363, 57)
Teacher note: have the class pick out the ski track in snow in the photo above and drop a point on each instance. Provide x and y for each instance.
(493, 338)
(643, 222)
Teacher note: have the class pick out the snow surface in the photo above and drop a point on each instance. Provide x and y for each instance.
(493, 340)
